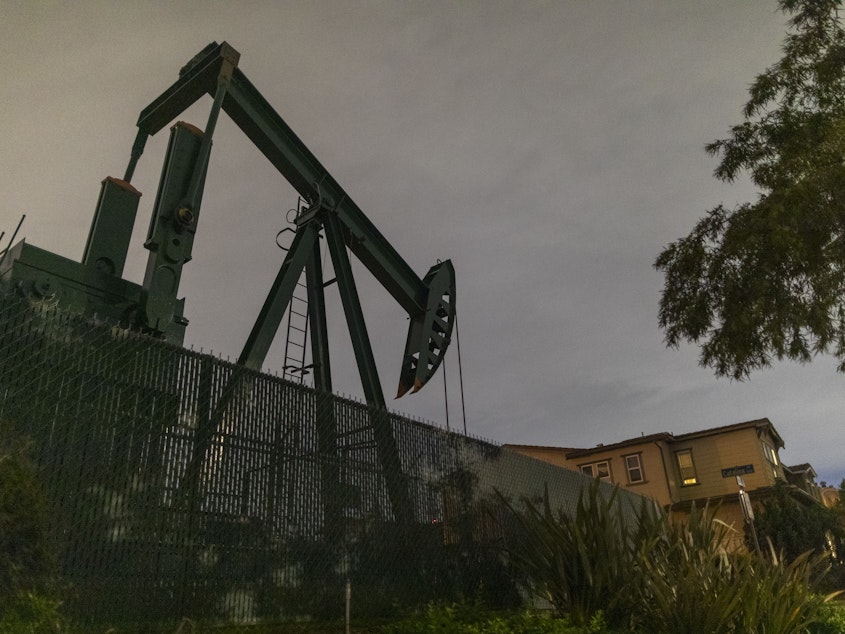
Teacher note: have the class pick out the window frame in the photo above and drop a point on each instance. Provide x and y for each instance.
(592, 469)
(639, 467)
(770, 453)
(686, 481)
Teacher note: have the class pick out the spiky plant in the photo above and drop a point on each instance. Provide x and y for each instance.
(689, 584)
(693, 584)
(656, 573)
(778, 598)
(580, 562)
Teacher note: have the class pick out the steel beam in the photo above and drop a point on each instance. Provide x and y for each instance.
(388, 453)
(265, 328)
(321, 364)
(270, 134)
(354, 315)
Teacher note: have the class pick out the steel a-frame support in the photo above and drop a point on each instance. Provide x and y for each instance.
(305, 253)
(388, 453)
(305, 242)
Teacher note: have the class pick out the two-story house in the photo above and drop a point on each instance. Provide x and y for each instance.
(679, 470)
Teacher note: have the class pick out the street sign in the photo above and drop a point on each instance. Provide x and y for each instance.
(738, 470)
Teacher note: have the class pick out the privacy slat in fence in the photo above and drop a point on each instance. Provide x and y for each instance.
(183, 485)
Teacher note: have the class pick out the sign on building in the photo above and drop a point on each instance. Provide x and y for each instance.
(738, 470)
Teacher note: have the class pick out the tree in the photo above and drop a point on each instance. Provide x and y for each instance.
(766, 280)
(794, 527)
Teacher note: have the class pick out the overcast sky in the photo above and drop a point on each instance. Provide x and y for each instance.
(550, 149)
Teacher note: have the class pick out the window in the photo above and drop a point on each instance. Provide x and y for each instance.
(686, 467)
(600, 470)
(772, 457)
(770, 453)
(634, 466)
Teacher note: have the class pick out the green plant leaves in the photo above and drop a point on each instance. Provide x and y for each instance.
(766, 280)
(659, 574)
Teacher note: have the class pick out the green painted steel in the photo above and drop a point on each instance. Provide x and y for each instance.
(321, 368)
(214, 71)
(111, 228)
(430, 332)
(181, 485)
(96, 287)
(266, 325)
(170, 237)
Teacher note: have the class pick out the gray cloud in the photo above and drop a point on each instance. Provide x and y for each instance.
(549, 148)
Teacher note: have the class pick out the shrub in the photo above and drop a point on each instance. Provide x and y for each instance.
(662, 575)
(830, 619)
(464, 619)
(687, 584)
(692, 584)
(777, 595)
(794, 527)
(582, 563)
(27, 566)
(32, 613)
(25, 559)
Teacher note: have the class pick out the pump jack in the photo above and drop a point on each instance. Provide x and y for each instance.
(429, 302)
(96, 285)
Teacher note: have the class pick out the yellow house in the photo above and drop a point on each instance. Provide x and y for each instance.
(679, 470)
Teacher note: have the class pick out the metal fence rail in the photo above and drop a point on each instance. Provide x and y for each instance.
(183, 485)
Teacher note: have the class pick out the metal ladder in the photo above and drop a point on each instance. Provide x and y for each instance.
(296, 341)
(297, 334)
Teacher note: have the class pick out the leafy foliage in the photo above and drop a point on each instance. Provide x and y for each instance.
(687, 583)
(830, 619)
(776, 595)
(461, 619)
(767, 279)
(794, 528)
(26, 561)
(580, 563)
(659, 574)
(693, 583)
(32, 613)
(27, 566)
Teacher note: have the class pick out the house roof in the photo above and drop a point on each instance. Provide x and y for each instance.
(545, 447)
(802, 468)
(760, 423)
(640, 440)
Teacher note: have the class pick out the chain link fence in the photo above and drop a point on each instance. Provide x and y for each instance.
(181, 485)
